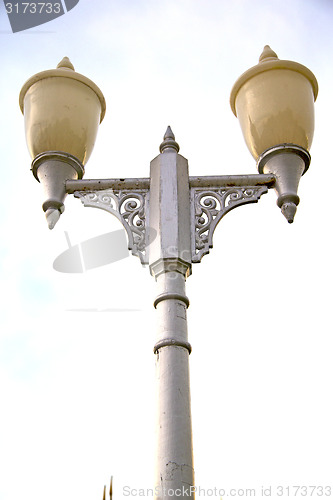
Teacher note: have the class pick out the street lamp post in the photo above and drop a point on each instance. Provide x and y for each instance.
(170, 217)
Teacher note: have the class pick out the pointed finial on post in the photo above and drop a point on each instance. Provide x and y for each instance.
(267, 54)
(104, 493)
(169, 143)
(66, 64)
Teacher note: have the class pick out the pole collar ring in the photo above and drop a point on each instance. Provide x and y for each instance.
(172, 342)
(168, 296)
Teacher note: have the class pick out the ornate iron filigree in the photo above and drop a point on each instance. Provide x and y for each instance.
(208, 206)
(130, 208)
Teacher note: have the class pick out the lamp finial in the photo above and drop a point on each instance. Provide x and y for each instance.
(289, 210)
(52, 216)
(65, 63)
(267, 54)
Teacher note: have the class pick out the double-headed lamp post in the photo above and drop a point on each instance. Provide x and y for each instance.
(170, 217)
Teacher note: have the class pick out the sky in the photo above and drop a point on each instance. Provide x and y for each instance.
(76, 350)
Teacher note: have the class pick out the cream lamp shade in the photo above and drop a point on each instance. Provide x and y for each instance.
(62, 110)
(274, 102)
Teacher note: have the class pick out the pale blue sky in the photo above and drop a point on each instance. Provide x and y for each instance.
(77, 389)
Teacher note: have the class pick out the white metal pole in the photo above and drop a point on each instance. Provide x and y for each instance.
(170, 264)
(174, 475)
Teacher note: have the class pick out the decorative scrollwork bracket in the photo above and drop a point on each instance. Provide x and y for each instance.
(209, 205)
(211, 198)
(130, 208)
